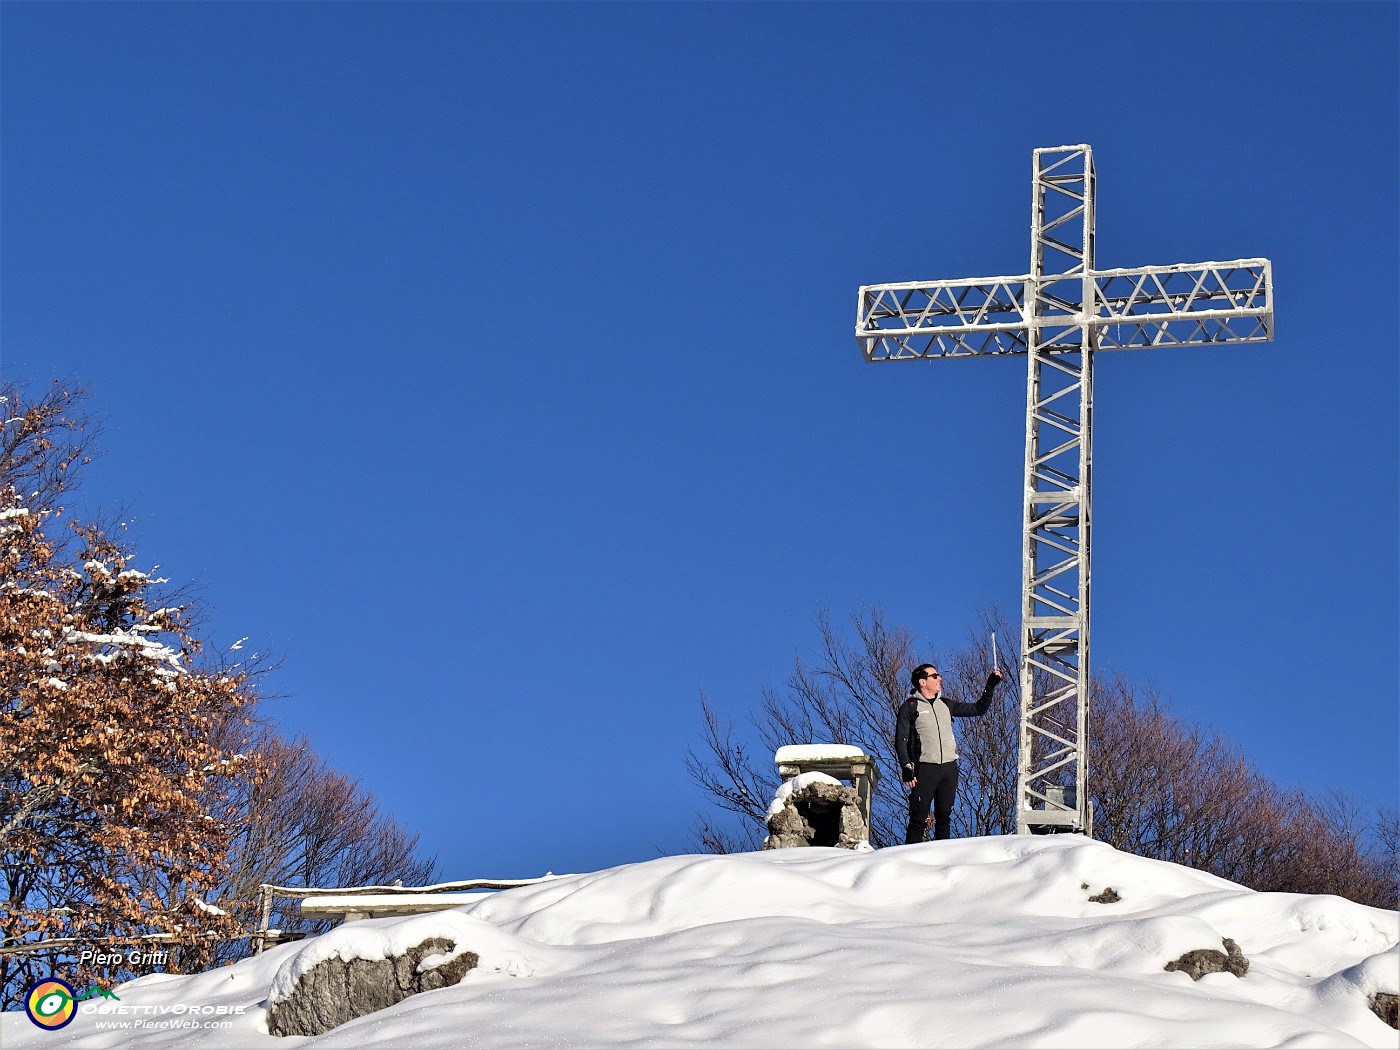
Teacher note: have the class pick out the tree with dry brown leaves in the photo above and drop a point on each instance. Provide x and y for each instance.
(140, 795)
(107, 751)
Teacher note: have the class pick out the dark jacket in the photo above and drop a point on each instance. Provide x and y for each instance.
(906, 737)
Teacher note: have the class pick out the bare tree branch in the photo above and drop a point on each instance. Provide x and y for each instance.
(1160, 788)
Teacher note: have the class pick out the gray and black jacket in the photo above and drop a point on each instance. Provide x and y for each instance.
(936, 717)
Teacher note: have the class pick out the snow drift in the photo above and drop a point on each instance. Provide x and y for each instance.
(990, 942)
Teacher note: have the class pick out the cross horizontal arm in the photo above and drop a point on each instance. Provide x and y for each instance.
(1183, 304)
(1188, 304)
(975, 317)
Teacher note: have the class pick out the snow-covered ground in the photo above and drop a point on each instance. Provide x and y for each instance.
(988, 942)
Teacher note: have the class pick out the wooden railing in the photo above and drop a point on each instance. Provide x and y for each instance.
(340, 901)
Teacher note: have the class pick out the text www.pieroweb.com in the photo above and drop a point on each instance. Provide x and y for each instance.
(164, 1017)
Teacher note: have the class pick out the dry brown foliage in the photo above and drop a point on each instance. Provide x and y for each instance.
(139, 794)
(107, 749)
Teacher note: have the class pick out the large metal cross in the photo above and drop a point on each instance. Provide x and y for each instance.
(1059, 315)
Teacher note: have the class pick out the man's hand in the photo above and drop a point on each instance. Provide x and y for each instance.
(911, 783)
(996, 671)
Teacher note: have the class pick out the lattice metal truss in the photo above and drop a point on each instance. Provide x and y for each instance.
(1058, 315)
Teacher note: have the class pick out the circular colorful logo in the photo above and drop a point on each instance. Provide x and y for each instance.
(49, 1003)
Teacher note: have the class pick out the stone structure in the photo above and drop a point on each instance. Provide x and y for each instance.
(843, 762)
(816, 810)
(1196, 964)
(337, 990)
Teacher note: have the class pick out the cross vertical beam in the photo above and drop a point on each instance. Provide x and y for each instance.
(1054, 671)
(1060, 316)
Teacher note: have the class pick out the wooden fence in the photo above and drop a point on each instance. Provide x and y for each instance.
(343, 906)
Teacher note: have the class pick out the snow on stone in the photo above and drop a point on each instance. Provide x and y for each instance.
(499, 952)
(797, 783)
(816, 752)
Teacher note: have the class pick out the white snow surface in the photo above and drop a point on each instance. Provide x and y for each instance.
(816, 752)
(987, 942)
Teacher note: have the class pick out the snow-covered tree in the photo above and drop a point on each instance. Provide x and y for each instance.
(140, 793)
(108, 752)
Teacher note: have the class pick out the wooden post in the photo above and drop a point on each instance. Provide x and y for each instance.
(264, 916)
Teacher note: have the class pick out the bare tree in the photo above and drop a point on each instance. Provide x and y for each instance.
(1159, 787)
(45, 440)
(1334, 851)
(1163, 789)
(735, 781)
(1384, 835)
(302, 823)
(848, 694)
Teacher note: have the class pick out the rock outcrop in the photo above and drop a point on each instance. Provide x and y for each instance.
(1386, 1006)
(1196, 964)
(337, 990)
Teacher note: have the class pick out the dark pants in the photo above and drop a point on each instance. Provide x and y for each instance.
(937, 787)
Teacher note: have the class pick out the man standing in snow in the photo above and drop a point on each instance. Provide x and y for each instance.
(928, 753)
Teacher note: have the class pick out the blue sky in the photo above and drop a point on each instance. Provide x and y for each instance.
(494, 363)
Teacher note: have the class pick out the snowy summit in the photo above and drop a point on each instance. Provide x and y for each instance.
(1008, 941)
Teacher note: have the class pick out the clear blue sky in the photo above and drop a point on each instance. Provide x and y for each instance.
(494, 363)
